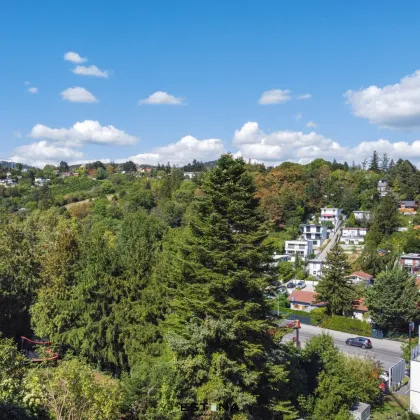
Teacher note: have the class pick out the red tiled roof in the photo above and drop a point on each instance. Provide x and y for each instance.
(359, 305)
(416, 227)
(303, 296)
(362, 275)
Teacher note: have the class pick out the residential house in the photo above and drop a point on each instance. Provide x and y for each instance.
(191, 175)
(279, 258)
(301, 248)
(39, 182)
(360, 310)
(329, 214)
(145, 170)
(353, 235)
(407, 207)
(314, 268)
(303, 300)
(362, 215)
(383, 187)
(361, 276)
(411, 262)
(317, 234)
(67, 174)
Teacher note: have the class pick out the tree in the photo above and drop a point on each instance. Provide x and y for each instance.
(385, 217)
(384, 163)
(129, 166)
(374, 162)
(63, 167)
(217, 326)
(393, 299)
(334, 288)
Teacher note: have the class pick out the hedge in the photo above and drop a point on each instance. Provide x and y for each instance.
(347, 325)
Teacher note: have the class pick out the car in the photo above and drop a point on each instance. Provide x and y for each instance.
(362, 342)
(290, 285)
(301, 284)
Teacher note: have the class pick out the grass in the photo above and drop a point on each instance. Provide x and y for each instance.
(394, 404)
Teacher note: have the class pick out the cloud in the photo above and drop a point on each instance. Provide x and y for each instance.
(275, 96)
(27, 83)
(90, 71)
(393, 106)
(296, 146)
(305, 96)
(298, 116)
(42, 153)
(33, 90)
(84, 132)
(162, 98)
(78, 94)
(311, 124)
(74, 57)
(182, 152)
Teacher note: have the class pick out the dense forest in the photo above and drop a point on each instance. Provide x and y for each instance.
(151, 288)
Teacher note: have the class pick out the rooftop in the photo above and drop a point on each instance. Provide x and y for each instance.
(410, 255)
(362, 275)
(359, 305)
(303, 296)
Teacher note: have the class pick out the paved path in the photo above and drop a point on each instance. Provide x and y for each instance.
(331, 242)
(386, 351)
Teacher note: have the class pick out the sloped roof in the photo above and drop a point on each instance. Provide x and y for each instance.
(359, 305)
(302, 296)
(362, 274)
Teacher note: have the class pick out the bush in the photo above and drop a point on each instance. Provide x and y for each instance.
(318, 316)
(348, 325)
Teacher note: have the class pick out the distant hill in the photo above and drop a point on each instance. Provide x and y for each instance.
(12, 165)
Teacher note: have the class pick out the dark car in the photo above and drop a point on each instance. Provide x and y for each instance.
(290, 285)
(362, 342)
(301, 284)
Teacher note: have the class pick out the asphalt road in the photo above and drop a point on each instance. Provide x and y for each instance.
(331, 242)
(386, 351)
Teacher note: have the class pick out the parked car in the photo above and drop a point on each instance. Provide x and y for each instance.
(362, 342)
(290, 285)
(301, 284)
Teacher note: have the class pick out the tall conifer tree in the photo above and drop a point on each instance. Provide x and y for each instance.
(222, 345)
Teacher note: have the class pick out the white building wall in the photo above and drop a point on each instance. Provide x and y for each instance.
(415, 386)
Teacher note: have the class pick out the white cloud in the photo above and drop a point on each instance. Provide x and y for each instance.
(27, 83)
(275, 96)
(42, 153)
(84, 132)
(280, 146)
(33, 90)
(78, 94)
(74, 57)
(298, 116)
(162, 98)
(393, 106)
(90, 71)
(311, 124)
(305, 96)
(182, 152)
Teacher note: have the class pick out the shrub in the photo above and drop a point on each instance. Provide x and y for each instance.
(318, 316)
(348, 325)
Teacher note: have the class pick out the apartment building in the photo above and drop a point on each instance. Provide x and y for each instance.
(301, 248)
(317, 234)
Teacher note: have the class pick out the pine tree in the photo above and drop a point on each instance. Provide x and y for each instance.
(345, 166)
(385, 162)
(391, 164)
(218, 326)
(334, 288)
(374, 163)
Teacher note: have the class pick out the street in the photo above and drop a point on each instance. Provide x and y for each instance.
(386, 351)
(334, 238)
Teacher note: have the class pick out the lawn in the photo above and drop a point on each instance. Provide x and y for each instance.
(395, 406)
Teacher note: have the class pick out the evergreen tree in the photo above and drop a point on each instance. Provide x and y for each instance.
(391, 164)
(384, 163)
(374, 163)
(64, 167)
(218, 325)
(385, 217)
(334, 288)
(345, 166)
(364, 164)
(393, 299)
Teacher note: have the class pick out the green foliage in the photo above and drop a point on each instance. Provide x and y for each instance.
(348, 325)
(334, 288)
(393, 300)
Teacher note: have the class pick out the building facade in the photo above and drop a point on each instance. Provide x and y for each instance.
(329, 214)
(301, 248)
(317, 234)
(353, 235)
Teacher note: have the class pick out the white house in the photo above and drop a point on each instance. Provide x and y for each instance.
(353, 235)
(41, 181)
(330, 215)
(360, 276)
(301, 248)
(191, 175)
(314, 268)
(361, 215)
(279, 258)
(317, 234)
(383, 187)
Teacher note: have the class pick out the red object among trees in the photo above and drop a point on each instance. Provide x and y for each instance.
(28, 347)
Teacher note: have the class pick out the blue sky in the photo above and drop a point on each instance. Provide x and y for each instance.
(215, 59)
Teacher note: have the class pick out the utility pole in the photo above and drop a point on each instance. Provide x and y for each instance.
(410, 330)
